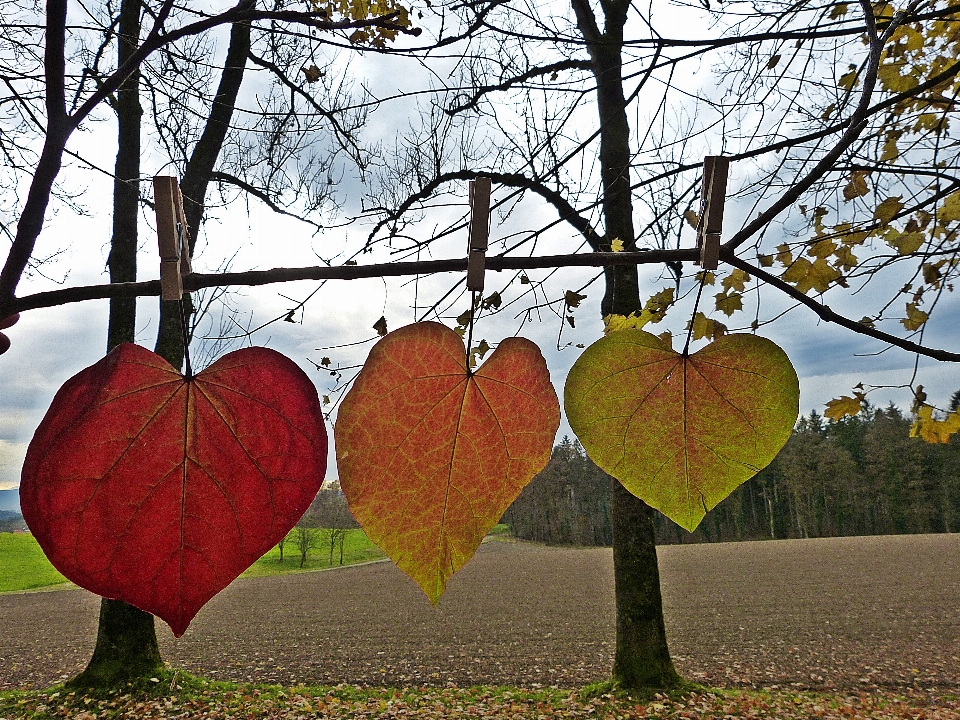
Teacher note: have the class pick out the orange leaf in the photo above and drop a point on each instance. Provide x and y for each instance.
(681, 433)
(430, 456)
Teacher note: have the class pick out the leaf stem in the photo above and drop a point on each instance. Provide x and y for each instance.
(188, 375)
(473, 307)
(693, 316)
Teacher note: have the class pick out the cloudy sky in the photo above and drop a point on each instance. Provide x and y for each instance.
(51, 345)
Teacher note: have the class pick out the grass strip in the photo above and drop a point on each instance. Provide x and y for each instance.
(179, 695)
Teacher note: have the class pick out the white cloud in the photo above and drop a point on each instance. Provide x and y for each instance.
(11, 462)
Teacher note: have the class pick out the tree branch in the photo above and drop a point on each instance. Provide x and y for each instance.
(522, 77)
(825, 313)
(197, 281)
(565, 209)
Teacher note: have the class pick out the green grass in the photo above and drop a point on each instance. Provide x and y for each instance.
(176, 694)
(23, 566)
(357, 548)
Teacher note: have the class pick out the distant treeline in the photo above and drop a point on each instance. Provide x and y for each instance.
(11, 521)
(861, 475)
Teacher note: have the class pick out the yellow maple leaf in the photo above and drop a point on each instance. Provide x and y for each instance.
(729, 303)
(886, 210)
(692, 218)
(704, 327)
(931, 271)
(890, 149)
(822, 249)
(848, 79)
(658, 304)
(808, 276)
(905, 243)
(784, 256)
(737, 280)
(856, 186)
(616, 245)
(842, 406)
(915, 317)
(932, 430)
(892, 80)
(838, 11)
(846, 260)
(797, 271)
(950, 209)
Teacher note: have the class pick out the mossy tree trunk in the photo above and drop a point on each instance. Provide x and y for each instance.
(642, 658)
(126, 637)
(127, 646)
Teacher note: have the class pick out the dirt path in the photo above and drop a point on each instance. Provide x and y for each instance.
(842, 612)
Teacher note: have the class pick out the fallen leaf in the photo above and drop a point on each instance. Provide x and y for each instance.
(431, 455)
(144, 487)
(682, 433)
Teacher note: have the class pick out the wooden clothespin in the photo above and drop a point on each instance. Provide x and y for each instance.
(479, 232)
(714, 194)
(173, 236)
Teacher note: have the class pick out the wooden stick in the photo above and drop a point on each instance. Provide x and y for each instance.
(479, 232)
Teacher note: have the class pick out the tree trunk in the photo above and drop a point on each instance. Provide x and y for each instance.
(126, 647)
(122, 261)
(126, 637)
(196, 177)
(642, 659)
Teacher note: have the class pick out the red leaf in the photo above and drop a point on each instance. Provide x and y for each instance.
(144, 487)
(431, 456)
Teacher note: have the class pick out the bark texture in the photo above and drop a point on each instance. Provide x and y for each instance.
(642, 658)
(126, 647)
(196, 177)
(126, 636)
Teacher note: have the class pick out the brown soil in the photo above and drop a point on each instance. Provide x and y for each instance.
(842, 612)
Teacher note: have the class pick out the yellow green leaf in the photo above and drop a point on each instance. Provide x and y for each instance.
(682, 433)
(704, 327)
(886, 210)
(616, 245)
(728, 304)
(927, 427)
(737, 280)
(838, 11)
(890, 149)
(915, 317)
(846, 260)
(822, 249)
(842, 406)
(856, 185)
(905, 243)
(950, 209)
(848, 79)
(784, 256)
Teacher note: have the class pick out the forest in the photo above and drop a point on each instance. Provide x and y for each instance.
(860, 475)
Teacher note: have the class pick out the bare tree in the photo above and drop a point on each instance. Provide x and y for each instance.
(578, 108)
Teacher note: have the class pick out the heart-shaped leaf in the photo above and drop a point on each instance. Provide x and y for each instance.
(147, 488)
(430, 456)
(681, 433)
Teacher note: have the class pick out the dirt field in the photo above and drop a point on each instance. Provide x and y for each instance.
(844, 613)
